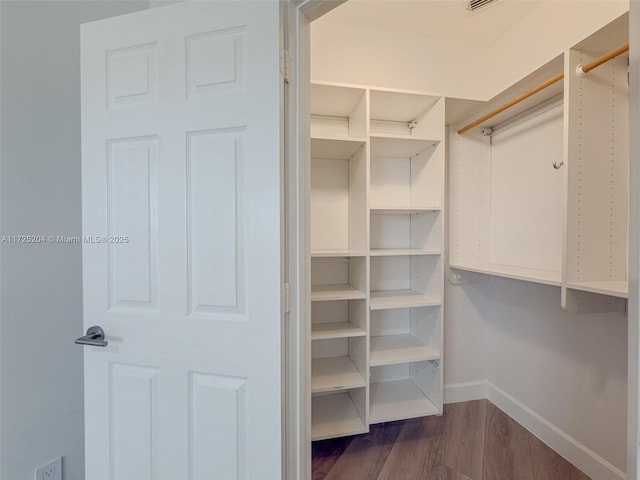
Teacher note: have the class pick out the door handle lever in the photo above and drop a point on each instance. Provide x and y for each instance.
(94, 337)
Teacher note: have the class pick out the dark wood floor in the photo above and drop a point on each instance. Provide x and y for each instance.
(471, 441)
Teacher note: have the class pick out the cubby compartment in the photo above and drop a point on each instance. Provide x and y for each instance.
(405, 335)
(339, 414)
(405, 390)
(406, 174)
(338, 319)
(405, 281)
(403, 232)
(398, 114)
(338, 364)
(338, 112)
(339, 376)
(338, 278)
(338, 197)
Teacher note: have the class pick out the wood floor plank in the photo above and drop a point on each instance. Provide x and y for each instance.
(365, 456)
(325, 454)
(405, 450)
(548, 465)
(414, 451)
(442, 472)
(462, 444)
(507, 455)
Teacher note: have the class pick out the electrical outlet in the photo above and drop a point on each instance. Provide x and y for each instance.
(50, 471)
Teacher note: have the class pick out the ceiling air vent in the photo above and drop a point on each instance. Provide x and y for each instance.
(473, 5)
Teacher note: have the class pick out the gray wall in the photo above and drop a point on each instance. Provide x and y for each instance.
(41, 389)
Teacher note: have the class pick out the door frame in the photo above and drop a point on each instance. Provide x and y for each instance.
(298, 16)
(633, 305)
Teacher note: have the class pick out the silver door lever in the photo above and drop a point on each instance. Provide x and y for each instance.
(94, 337)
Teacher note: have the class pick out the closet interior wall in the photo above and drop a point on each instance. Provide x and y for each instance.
(561, 375)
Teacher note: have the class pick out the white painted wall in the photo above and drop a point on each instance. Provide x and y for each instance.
(364, 56)
(41, 389)
(360, 55)
(569, 370)
(543, 34)
(465, 341)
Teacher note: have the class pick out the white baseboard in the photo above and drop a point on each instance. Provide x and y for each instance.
(464, 391)
(568, 447)
(575, 452)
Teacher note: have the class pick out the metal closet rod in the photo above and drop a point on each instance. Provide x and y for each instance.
(581, 69)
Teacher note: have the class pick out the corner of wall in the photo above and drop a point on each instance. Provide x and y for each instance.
(568, 447)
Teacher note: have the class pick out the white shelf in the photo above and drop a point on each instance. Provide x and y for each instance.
(334, 416)
(383, 300)
(400, 136)
(399, 146)
(323, 331)
(337, 253)
(334, 373)
(399, 107)
(545, 277)
(394, 349)
(337, 138)
(325, 293)
(397, 400)
(612, 288)
(402, 252)
(334, 101)
(335, 148)
(403, 210)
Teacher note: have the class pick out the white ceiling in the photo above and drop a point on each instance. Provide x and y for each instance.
(443, 20)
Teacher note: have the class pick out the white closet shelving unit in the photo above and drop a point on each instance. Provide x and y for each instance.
(377, 207)
(598, 175)
(339, 263)
(540, 191)
(506, 196)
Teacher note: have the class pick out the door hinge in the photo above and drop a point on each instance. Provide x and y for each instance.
(287, 298)
(287, 66)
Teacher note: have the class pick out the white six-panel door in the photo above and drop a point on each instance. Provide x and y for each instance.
(181, 168)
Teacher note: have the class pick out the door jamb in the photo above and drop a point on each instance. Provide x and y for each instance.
(633, 307)
(297, 429)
